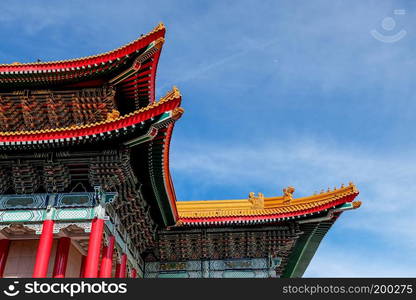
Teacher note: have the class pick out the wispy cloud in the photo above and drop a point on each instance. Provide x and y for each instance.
(385, 182)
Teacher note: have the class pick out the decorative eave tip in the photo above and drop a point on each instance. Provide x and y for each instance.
(354, 187)
(176, 91)
(356, 204)
(177, 113)
(160, 26)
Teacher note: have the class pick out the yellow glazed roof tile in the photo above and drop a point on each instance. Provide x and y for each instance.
(261, 206)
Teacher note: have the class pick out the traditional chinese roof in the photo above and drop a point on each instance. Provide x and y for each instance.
(63, 134)
(104, 100)
(146, 132)
(258, 209)
(131, 67)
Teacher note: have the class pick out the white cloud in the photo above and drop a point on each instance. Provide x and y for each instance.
(385, 182)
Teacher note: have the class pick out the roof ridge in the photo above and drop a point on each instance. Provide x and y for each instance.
(349, 189)
(156, 29)
(257, 205)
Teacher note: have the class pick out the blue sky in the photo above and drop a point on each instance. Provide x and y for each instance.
(276, 93)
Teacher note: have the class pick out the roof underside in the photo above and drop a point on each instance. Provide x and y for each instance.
(305, 247)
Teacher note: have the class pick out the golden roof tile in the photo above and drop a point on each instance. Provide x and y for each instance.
(271, 205)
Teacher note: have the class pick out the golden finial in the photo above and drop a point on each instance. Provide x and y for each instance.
(356, 204)
(177, 113)
(288, 194)
(159, 26)
(113, 115)
(257, 202)
(176, 91)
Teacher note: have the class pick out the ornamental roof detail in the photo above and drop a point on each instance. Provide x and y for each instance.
(170, 102)
(131, 68)
(87, 60)
(261, 208)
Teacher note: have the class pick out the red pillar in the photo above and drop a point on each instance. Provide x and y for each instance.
(117, 271)
(4, 252)
(103, 251)
(107, 260)
(93, 256)
(122, 267)
(133, 273)
(61, 257)
(82, 269)
(44, 250)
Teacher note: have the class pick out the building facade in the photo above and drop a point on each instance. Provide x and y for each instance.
(86, 191)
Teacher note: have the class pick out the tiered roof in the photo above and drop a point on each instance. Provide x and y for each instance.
(101, 98)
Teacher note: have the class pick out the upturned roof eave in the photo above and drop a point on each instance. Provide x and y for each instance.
(139, 43)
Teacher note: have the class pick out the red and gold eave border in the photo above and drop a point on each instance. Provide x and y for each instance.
(270, 218)
(94, 129)
(158, 32)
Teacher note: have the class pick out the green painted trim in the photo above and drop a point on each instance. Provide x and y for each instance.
(305, 248)
(160, 194)
(41, 215)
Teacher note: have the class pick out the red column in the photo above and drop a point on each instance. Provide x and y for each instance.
(61, 257)
(117, 271)
(44, 250)
(4, 252)
(122, 267)
(82, 269)
(133, 273)
(93, 256)
(107, 260)
(103, 251)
